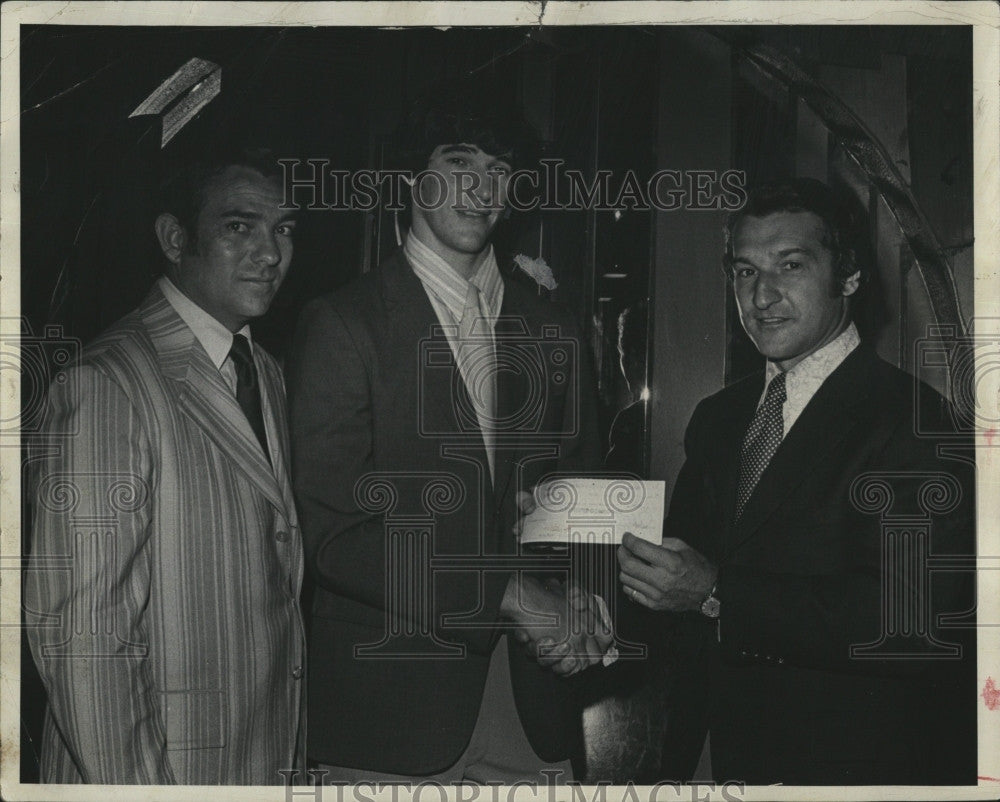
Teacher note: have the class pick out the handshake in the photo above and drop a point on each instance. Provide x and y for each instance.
(562, 626)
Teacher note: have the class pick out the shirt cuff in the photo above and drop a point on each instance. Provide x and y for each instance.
(611, 655)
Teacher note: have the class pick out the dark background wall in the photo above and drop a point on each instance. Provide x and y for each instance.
(620, 98)
(908, 90)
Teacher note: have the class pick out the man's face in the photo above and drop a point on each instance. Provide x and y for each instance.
(243, 248)
(455, 214)
(790, 302)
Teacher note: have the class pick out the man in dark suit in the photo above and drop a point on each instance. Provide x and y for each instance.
(169, 439)
(426, 397)
(811, 627)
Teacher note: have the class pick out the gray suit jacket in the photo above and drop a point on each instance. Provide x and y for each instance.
(172, 646)
(375, 394)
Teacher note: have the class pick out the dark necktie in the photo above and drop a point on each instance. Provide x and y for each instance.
(762, 439)
(247, 389)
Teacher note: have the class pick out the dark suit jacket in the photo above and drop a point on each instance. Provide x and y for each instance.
(801, 580)
(372, 389)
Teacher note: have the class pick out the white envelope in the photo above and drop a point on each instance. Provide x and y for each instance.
(597, 511)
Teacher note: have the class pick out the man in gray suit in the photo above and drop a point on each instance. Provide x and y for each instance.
(172, 651)
(432, 377)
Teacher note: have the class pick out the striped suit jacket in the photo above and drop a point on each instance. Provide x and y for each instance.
(172, 645)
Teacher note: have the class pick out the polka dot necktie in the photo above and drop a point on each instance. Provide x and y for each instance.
(762, 439)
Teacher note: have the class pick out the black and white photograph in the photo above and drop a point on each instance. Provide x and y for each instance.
(500, 401)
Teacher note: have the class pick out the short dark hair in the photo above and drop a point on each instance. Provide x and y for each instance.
(185, 179)
(455, 118)
(837, 211)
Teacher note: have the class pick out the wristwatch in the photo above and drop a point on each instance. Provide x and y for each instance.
(710, 607)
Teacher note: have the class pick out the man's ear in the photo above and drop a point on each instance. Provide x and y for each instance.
(850, 284)
(171, 236)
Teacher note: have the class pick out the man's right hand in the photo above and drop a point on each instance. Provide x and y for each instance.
(577, 639)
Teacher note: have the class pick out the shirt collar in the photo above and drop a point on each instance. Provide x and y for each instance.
(447, 285)
(815, 368)
(215, 338)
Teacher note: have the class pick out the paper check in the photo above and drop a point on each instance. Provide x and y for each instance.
(595, 511)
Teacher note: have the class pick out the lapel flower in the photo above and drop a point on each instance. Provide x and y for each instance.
(538, 270)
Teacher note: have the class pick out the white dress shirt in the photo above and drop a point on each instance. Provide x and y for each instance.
(447, 291)
(803, 380)
(217, 340)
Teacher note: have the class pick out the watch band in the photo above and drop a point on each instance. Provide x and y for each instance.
(711, 607)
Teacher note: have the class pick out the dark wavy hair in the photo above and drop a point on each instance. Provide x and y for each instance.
(844, 234)
(186, 177)
(457, 117)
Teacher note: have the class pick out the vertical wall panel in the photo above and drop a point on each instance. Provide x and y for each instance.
(689, 287)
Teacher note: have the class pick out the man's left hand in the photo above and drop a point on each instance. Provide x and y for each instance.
(671, 576)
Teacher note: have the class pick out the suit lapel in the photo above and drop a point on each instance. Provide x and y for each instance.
(824, 423)
(273, 390)
(203, 395)
(419, 357)
(519, 366)
(731, 431)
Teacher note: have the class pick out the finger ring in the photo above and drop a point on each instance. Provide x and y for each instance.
(632, 592)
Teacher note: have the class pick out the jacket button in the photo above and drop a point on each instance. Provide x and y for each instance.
(281, 536)
(298, 672)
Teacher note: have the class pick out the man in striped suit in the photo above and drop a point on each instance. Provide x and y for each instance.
(172, 650)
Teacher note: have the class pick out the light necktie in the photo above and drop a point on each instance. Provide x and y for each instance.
(761, 441)
(477, 363)
(247, 388)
